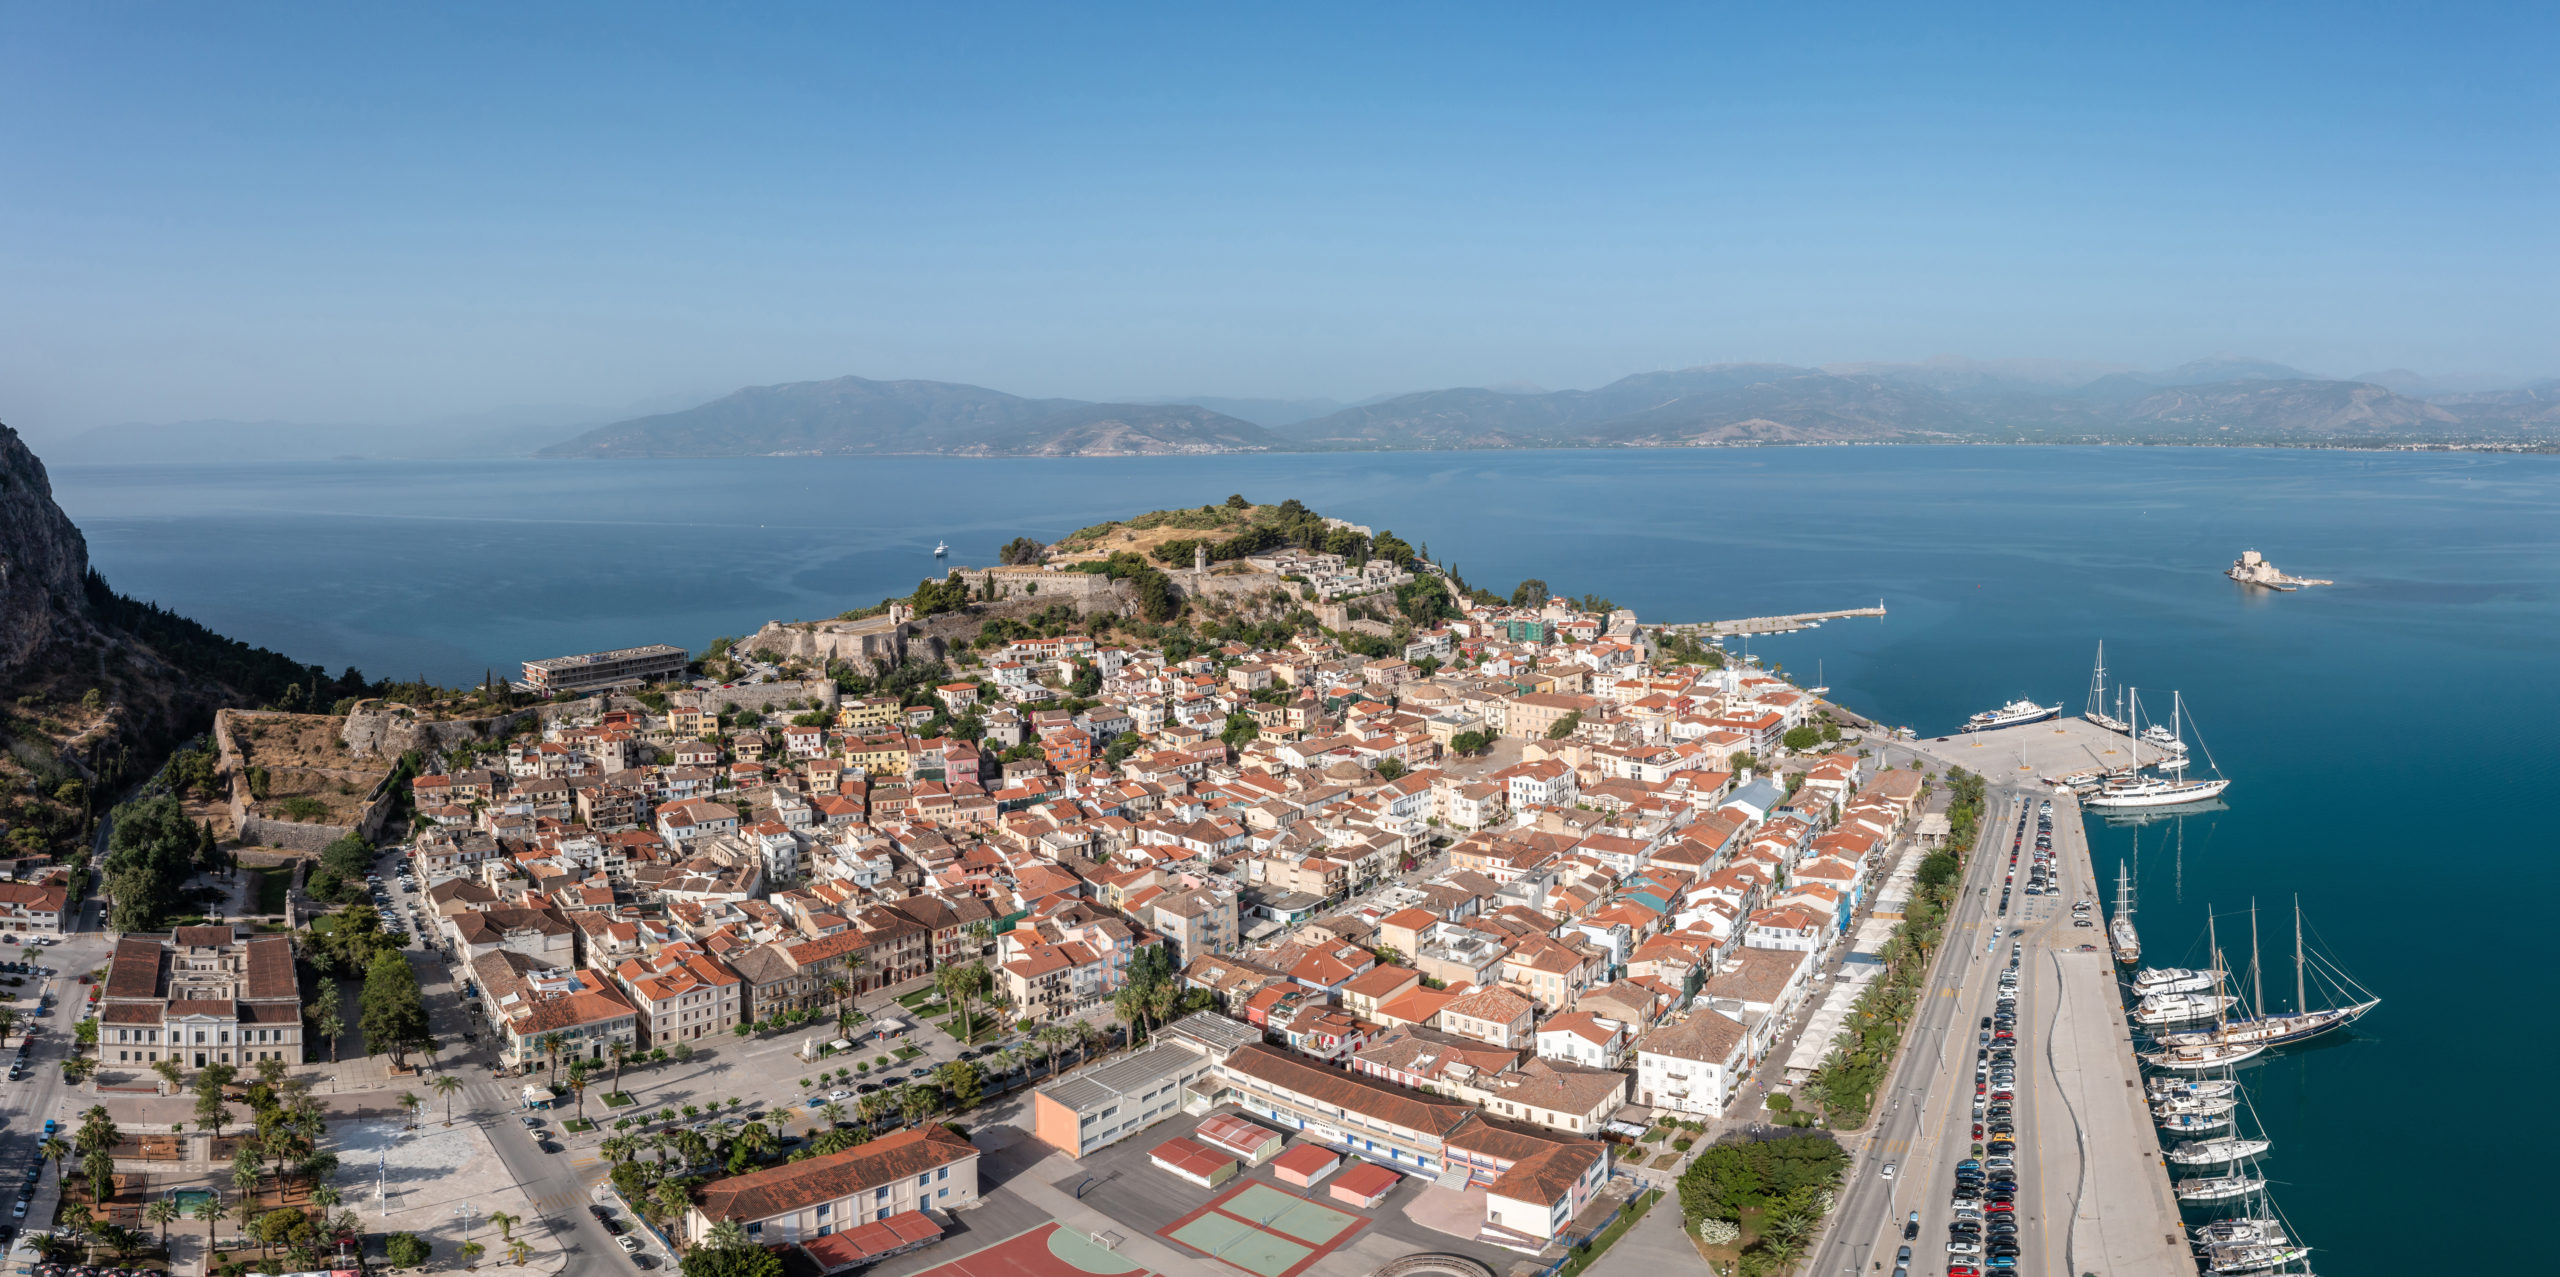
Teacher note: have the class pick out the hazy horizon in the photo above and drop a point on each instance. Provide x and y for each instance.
(378, 219)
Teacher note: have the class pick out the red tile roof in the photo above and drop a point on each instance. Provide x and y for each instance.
(797, 1185)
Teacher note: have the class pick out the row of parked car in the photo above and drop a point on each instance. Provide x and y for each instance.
(1982, 1234)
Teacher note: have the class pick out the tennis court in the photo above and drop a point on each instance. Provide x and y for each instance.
(1050, 1250)
(1265, 1230)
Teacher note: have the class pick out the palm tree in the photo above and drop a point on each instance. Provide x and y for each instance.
(671, 1199)
(8, 1022)
(1129, 1007)
(161, 1211)
(325, 1019)
(471, 1253)
(212, 1212)
(504, 1223)
(551, 1045)
(842, 989)
(1161, 1001)
(754, 1137)
(409, 1106)
(618, 1051)
(831, 1112)
(1087, 1037)
(958, 984)
(446, 1085)
(1053, 1038)
(59, 1150)
(871, 1107)
(727, 1235)
(519, 1252)
(578, 1085)
(915, 1100)
(326, 1196)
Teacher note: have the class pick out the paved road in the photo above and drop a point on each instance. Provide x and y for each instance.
(1866, 1226)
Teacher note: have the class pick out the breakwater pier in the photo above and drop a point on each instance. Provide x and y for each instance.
(1771, 624)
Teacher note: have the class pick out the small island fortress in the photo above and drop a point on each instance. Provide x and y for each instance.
(2251, 569)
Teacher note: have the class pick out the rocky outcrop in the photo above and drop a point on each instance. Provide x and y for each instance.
(43, 560)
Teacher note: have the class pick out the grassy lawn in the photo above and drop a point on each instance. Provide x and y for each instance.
(988, 1023)
(578, 1125)
(918, 998)
(906, 1053)
(273, 884)
(618, 1099)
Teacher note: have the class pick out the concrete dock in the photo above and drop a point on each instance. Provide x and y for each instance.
(2122, 1219)
(2059, 749)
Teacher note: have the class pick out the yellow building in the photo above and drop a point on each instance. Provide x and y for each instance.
(869, 714)
(885, 754)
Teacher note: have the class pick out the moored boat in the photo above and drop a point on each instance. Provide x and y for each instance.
(2193, 1123)
(2215, 1152)
(2217, 1188)
(2181, 1008)
(2233, 1261)
(2193, 1088)
(2153, 981)
(2246, 1231)
(2197, 1058)
(2193, 1104)
(2017, 713)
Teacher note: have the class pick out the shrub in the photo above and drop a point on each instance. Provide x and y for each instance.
(1681, 1145)
(407, 1250)
(1719, 1232)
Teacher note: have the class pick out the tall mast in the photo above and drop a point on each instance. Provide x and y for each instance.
(2300, 1003)
(2213, 944)
(2257, 972)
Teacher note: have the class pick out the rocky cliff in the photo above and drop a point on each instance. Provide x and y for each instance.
(43, 561)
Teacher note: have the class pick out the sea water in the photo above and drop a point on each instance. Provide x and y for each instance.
(2390, 737)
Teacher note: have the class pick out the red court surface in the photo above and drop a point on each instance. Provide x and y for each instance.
(1047, 1251)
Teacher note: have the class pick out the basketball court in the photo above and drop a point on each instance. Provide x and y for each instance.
(1265, 1230)
(1051, 1250)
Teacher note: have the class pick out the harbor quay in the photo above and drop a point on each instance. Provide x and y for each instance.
(2055, 750)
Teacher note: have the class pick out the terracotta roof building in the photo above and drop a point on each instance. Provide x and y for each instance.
(202, 995)
(928, 1167)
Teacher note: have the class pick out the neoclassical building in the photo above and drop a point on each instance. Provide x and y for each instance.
(203, 995)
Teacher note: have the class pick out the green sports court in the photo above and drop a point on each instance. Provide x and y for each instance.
(1265, 1230)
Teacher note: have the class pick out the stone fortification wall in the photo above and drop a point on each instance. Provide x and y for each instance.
(761, 696)
(253, 830)
(1033, 583)
(386, 728)
(869, 645)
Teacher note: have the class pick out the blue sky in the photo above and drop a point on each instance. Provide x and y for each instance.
(351, 213)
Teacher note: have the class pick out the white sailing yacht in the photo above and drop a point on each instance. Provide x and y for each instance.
(2193, 1088)
(2218, 1188)
(2126, 792)
(2120, 932)
(2197, 1052)
(2215, 1152)
(2193, 1123)
(2303, 1022)
(2245, 1231)
(2096, 712)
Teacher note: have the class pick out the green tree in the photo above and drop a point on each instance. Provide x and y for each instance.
(1529, 593)
(212, 1211)
(737, 1261)
(1390, 768)
(1469, 742)
(1564, 726)
(964, 1081)
(447, 1085)
(1802, 739)
(394, 1015)
(324, 1018)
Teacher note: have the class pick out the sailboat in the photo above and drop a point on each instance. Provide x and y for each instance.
(2176, 1105)
(2245, 1231)
(2136, 790)
(2192, 1123)
(2215, 1152)
(2217, 1188)
(2197, 1052)
(2256, 1257)
(2193, 1088)
(2303, 1022)
(2120, 932)
(1819, 688)
(2096, 712)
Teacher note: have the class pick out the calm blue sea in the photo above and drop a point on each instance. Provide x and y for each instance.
(2391, 736)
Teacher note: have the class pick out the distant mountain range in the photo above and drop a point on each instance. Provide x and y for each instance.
(853, 416)
(2219, 400)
